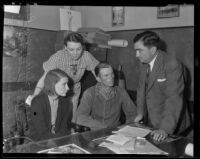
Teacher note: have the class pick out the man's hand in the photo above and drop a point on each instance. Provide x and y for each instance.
(159, 135)
(29, 99)
(138, 118)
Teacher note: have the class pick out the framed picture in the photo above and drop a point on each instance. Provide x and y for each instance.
(15, 41)
(17, 12)
(118, 16)
(168, 11)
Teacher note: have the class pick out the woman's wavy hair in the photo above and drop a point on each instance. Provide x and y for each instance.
(74, 37)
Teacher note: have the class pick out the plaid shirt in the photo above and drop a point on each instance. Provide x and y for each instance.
(74, 69)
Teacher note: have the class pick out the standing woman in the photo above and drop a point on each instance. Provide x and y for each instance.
(73, 60)
(51, 110)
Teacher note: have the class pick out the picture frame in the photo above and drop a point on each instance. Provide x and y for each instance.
(22, 14)
(168, 11)
(15, 41)
(118, 16)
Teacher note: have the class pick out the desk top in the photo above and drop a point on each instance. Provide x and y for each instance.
(86, 141)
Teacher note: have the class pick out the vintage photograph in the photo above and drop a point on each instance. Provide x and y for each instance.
(74, 75)
(118, 16)
(168, 11)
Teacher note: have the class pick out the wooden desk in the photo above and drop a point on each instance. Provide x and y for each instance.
(85, 140)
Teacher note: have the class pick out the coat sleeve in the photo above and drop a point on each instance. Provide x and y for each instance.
(66, 116)
(128, 106)
(140, 94)
(174, 97)
(84, 112)
(39, 124)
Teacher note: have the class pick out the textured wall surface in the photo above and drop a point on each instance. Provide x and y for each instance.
(21, 73)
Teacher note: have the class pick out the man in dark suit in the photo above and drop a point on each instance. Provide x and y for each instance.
(160, 90)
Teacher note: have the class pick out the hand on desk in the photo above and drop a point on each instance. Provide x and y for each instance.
(159, 135)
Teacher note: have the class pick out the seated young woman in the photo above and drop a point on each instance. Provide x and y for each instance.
(51, 110)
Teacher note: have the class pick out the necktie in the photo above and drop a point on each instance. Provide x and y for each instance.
(147, 76)
(146, 86)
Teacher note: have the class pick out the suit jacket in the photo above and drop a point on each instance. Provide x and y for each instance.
(164, 95)
(40, 122)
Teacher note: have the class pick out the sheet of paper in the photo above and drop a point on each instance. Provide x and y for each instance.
(132, 147)
(132, 131)
(118, 139)
(114, 147)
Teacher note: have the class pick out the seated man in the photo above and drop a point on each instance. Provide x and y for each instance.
(101, 105)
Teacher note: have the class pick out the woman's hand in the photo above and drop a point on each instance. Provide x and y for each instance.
(29, 99)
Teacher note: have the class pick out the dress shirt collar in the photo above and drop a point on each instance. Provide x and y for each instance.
(152, 62)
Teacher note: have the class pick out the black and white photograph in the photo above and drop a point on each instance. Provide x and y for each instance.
(99, 79)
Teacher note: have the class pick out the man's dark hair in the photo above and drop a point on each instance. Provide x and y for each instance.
(148, 38)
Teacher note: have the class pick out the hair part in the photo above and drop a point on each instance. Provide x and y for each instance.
(74, 37)
(52, 77)
(148, 38)
(100, 66)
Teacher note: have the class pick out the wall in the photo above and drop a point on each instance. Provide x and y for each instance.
(20, 73)
(135, 18)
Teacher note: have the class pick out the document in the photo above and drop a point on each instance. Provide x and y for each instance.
(120, 149)
(129, 131)
(118, 139)
(134, 146)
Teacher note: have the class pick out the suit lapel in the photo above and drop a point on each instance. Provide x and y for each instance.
(58, 117)
(48, 108)
(156, 68)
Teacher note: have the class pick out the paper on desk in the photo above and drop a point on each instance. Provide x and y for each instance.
(113, 147)
(118, 139)
(119, 149)
(132, 147)
(133, 131)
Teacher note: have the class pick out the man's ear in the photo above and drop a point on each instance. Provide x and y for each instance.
(98, 79)
(153, 50)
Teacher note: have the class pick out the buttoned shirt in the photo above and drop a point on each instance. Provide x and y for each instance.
(95, 111)
(63, 61)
